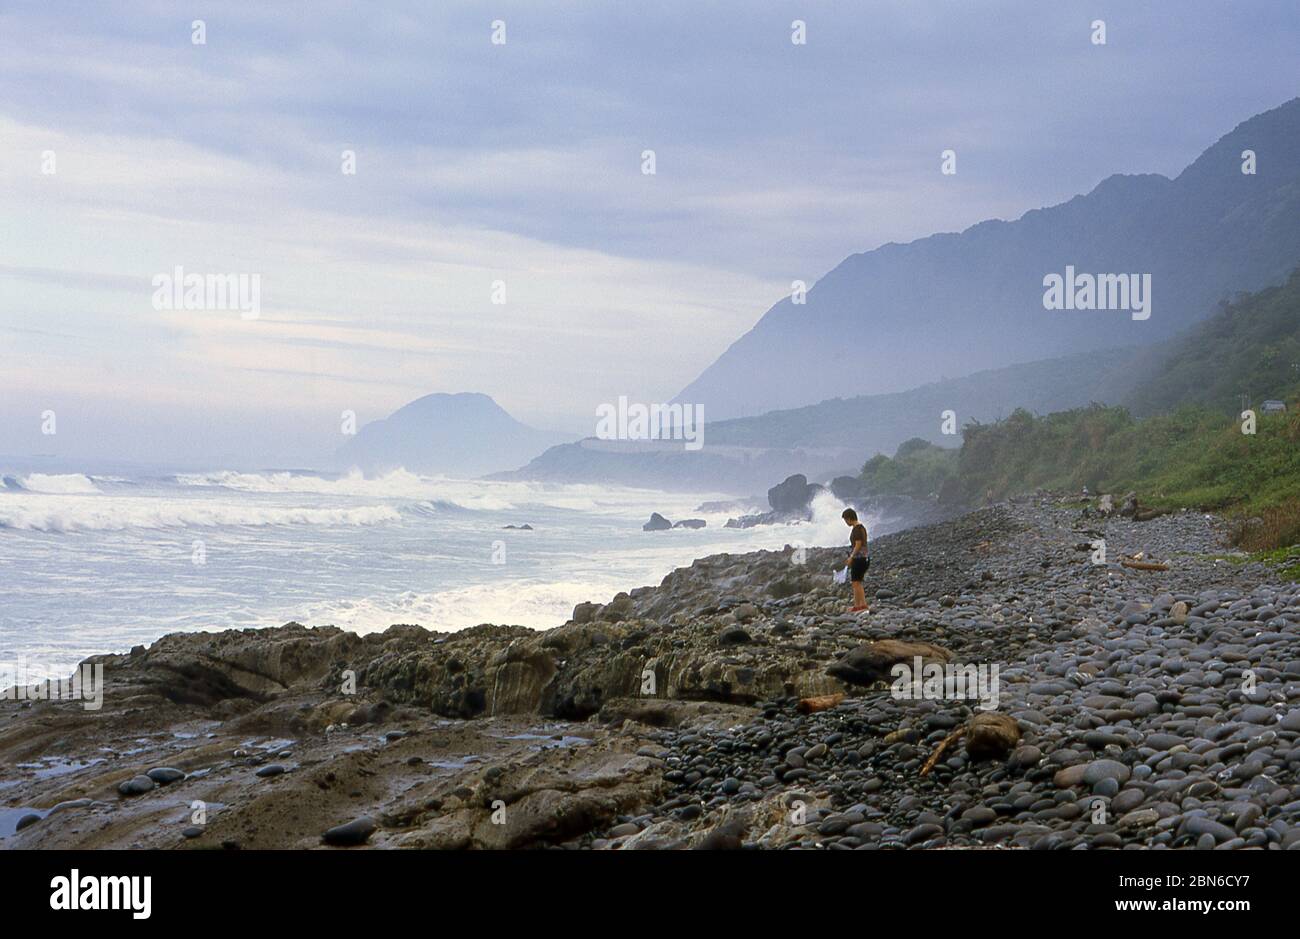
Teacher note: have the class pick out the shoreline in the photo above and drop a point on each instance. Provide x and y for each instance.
(668, 717)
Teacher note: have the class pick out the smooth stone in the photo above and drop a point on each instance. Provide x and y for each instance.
(136, 785)
(1257, 714)
(71, 804)
(1139, 818)
(355, 832)
(1127, 800)
(1070, 775)
(31, 818)
(1208, 827)
(1098, 770)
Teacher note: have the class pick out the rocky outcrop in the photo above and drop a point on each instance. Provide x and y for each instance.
(657, 523)
(793, 496)
(207, 668)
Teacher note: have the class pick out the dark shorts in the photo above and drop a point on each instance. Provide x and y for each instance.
(858, 569)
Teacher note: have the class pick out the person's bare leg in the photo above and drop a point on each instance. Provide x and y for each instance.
(859, 596)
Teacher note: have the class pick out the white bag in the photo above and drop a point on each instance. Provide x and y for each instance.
(841, 576)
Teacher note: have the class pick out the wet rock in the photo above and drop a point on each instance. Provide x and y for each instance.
(355, 832)
(136, 785)
(25, 821)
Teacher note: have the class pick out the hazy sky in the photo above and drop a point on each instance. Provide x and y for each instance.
(478, 162)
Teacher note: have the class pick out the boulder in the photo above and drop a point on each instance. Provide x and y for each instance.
(793, 496)
(690, 523)
(657, 523)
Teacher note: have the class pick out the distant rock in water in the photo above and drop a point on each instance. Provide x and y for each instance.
(657, 523)
(794, 496)
(458, 434)
(523, 527)
(690, 523)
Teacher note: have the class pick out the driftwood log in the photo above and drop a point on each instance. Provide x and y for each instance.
(874, 661)
(938, 751)
(823, 702)
(1145, 565)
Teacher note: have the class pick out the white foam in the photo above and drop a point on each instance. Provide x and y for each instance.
(476, 494)
(535, 605)
(71, 483)
(827, 527)
(67, 513)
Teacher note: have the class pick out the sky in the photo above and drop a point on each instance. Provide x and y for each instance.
(515, 171)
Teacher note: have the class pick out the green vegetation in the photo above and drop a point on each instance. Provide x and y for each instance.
(1251, 347)
(1192, 458)
(917, 469)
(1195, 456)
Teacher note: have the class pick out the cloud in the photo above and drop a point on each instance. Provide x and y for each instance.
(521, 163)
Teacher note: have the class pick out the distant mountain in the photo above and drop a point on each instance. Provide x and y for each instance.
(952, 304)
(465, 434)
(748, 455)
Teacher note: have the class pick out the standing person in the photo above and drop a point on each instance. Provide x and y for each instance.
(858, 561)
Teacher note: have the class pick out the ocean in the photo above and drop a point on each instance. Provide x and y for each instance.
(101, 563)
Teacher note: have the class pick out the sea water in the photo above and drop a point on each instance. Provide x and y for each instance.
(101, 563)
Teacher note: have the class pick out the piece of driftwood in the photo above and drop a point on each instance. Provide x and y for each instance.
(1145, 565)
(821, 702)
(874, 661)
(938, 751)
(1146, 515)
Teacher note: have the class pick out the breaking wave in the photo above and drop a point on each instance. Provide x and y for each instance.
(66, 483)
(108, 513)
(473, 494)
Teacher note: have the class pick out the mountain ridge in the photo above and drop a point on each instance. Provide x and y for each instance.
(958, 302)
